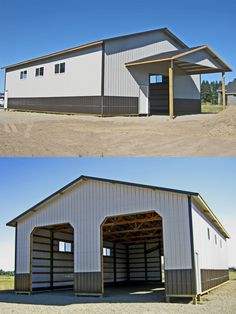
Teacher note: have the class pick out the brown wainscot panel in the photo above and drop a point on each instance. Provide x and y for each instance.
(22, 282)
(213, 277)
(187, 106)
(180, 282)
(89, 283)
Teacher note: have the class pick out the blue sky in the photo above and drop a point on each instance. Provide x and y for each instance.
(30, 28)
(26, 181)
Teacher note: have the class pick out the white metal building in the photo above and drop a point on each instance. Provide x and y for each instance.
(152, 72)
(94, 232)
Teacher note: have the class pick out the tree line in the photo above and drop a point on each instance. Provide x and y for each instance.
(6, 273)
(209, 91)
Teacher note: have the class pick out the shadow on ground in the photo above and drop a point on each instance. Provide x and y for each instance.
(121, 294)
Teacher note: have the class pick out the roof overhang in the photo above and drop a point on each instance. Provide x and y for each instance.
(62, 52)
(196, 196)
(188, 67)
(210, 215)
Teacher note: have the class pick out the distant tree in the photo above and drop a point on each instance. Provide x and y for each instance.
(6, 273)
(209, 91)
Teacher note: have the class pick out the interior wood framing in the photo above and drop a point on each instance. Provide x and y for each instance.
(136, 247)
(50, 267)
(132, 228)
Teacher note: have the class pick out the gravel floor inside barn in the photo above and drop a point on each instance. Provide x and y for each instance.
(130, 300)
(39, 134)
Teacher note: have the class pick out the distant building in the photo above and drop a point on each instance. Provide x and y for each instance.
(230, 93)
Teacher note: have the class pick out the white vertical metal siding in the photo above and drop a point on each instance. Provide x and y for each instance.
(86, 206)
(118, 80)
(201, 57)
(82, 76)
(186, 86)
(210, 255)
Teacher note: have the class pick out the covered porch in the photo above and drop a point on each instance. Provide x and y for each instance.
(170, 82)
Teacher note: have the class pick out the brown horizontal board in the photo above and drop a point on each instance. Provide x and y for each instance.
(63, 240)
(54, 272)
(41, 236)
(63, 259)
(41, 266)
(43, 243)
(42, 251)
(55, 281)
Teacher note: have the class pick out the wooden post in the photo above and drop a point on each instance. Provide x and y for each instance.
(171, 90)
(223, 91)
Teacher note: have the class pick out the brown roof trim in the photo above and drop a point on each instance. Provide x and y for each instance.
(165, 30)
(196, 196)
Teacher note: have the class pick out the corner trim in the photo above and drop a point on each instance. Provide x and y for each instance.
(191, 240)
(16, 231)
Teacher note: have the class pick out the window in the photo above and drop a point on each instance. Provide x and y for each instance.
(106, 251)
(215, 239)
(157, 78)
(64, 246)
(208, 233)
(23, 75)
(60, 68)
(39, 71)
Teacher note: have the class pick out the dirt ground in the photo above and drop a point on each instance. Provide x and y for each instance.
(39, 134)
(220, 300)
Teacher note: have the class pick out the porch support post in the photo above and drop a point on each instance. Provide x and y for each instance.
(223, 91)
(171, 90)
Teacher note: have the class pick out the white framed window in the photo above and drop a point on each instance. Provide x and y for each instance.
(23, 75)
(60, 68)
(65, 247)
(106, 251)
(157, 79)
(39, 71)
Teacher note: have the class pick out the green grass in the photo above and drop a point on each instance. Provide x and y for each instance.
(232, 275)
(209, 108)
(6, 282)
